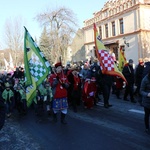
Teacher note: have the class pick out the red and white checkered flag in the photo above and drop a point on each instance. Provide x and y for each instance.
(107, 63)
(107, 60)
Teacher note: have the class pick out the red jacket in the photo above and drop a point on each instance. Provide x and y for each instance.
(58, 90)
(90, 87)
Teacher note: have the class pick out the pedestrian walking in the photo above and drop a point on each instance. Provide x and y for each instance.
(128, 73)
(2, 107)
(138, 78)
(118, 82)
(21, 100)
(59, 84)
(48, 97)
(106, 84)
(145, 92)
(74, 90)
(8, 97)
(89, 92)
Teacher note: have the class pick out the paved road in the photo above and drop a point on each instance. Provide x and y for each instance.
(119, 127)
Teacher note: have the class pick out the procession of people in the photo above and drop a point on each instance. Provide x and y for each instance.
(79, 84)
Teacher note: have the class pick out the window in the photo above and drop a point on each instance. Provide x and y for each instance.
(105, 14)
(113, 29)
(100, 31)
(106, 30)
(121, 26)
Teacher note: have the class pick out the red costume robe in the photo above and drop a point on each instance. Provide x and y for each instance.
(88, 94)
(59, 91)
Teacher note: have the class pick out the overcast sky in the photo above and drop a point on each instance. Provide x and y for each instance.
(28, 9)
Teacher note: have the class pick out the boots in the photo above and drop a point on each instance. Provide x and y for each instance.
(54, 117)
(63, 118)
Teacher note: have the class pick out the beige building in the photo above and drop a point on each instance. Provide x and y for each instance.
(121, 23)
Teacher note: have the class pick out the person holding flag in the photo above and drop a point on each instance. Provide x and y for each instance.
(108, 67)
(37, 68)
(59, 84)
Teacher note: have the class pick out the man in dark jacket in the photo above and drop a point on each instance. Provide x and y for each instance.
(145, 92)
(17, 74)
(128, 73)
(105, 82)
(138, 78)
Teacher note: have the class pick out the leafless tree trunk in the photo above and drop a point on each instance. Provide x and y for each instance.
(61, 24)
(13, 37)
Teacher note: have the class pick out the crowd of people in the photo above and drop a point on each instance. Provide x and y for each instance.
(73, 85)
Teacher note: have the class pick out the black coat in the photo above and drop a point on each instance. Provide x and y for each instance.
(17, 74)
(128, 73)
(2, 112)
(146, 69)
(139, 74)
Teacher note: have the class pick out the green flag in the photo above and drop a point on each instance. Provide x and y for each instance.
(36, 67)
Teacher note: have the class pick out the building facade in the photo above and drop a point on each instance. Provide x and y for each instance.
(121, 24)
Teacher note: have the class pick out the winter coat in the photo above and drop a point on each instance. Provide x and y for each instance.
(139, 74)
(5, 94)
(2, 114)
(59, 87)
(144, 90)
(75, 82)
(146, 69)
(84, 73)
(128, 73)
(2, 111)
(92, 72)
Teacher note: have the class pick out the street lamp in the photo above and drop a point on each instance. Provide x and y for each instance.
(125, 42)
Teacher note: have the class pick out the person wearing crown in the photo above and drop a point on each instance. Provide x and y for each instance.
(59, 84)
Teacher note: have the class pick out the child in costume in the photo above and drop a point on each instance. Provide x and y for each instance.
(59, 84)
(88, 93)
(8, 97)
(21, 100)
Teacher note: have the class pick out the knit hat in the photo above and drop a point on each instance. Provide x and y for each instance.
(58, 64)
(130, 61)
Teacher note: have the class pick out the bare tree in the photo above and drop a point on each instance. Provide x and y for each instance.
(13, 36)
(61, 25)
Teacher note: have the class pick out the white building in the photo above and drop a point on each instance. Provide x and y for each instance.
(122, 23)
